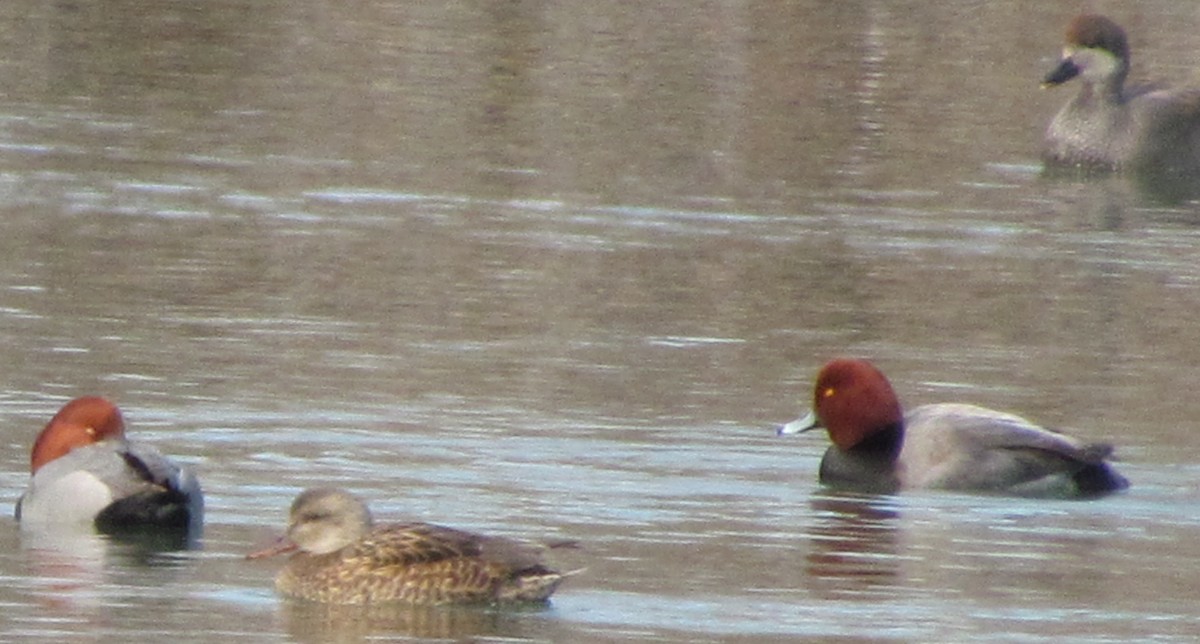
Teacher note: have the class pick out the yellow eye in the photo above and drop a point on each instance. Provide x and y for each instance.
(829, 391)
(90, 431)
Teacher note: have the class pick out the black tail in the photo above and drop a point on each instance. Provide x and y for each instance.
(166, 509)
(1097, 479)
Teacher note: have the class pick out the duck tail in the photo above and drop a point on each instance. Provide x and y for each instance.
(534, 584)
(1097, 479)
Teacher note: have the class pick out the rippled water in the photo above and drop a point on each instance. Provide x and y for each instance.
(555, 271)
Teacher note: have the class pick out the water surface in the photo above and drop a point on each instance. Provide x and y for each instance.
(555, 271)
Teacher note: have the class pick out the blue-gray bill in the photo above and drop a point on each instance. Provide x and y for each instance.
(805, 423)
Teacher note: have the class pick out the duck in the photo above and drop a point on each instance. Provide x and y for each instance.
(1111, 126)
(948, 446)
(341, 557)
(84, 471)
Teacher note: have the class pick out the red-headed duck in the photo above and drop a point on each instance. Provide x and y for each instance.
(85, 471)
(343, 558)
(946, 446)
(1109, 125)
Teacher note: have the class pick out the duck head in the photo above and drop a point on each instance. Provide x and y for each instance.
(81, 422)
(327, 519)
(1096, 51)
(853, 401)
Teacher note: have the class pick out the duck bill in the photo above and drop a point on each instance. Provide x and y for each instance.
(1065, 71)
(280, 546)
(806, 423)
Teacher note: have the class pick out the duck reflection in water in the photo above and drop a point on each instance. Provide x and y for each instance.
(319, 622)
(854, 545)
(73, 569)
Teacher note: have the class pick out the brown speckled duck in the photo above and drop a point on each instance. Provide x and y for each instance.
(344, 559)
(1110, 125)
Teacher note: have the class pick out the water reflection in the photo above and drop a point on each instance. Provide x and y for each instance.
(68, 566)
(855, 545)
(313, 622)
(72, 568)
(480, 253)
(1112, 190)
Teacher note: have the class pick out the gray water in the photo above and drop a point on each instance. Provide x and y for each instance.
(555, 270)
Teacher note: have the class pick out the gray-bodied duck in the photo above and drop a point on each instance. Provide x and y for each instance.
(1109, 125)
(85, 471)
(948, 446)
(341, 557)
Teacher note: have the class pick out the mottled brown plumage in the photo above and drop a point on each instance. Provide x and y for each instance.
(1111, 125)
(344, 560)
